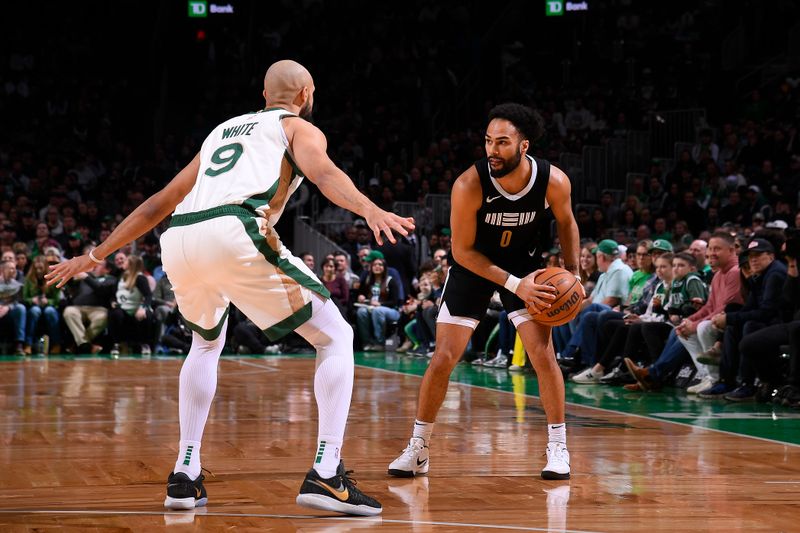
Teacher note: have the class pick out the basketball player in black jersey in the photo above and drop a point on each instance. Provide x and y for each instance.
(496, 208)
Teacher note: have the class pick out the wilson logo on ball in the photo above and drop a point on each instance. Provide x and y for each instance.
(567, 301)
(573, 300)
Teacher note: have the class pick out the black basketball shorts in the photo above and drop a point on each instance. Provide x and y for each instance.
(466, 296)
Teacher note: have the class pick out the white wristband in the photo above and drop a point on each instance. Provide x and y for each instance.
(512, 283)
(93, 258)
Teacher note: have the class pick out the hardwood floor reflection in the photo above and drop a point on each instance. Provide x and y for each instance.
(87, 445)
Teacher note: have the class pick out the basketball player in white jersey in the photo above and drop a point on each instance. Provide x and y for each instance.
(221, 248)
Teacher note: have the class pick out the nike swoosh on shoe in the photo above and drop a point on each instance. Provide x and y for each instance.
(341, 495)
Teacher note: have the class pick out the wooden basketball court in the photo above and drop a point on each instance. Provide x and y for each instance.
(86, 445)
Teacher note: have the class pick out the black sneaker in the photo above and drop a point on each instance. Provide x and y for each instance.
(183, 493)
(337, 493)
(617, 376)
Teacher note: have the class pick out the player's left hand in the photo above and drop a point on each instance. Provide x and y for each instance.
(61, 273)
(532, 293)
(383, 222)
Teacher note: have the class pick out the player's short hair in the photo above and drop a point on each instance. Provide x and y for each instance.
(528, 122)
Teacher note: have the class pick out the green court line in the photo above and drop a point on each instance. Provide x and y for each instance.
(763, 421)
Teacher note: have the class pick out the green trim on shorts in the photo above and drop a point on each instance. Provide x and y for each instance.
(261, 199)
(208, 334)
(300, 316)
(207, 214)
(289, 324)
(251, 227)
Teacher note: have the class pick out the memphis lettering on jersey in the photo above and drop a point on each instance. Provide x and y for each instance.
(510, 219)
(241, 129)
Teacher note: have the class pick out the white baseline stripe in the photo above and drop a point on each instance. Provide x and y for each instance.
(288, 516)
(654, 419)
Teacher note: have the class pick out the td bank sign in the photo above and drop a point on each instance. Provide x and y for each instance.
(201, 8)
(556, 8)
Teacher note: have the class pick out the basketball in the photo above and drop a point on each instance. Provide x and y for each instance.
(568, 297)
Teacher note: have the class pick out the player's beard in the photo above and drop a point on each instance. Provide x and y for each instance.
(509, 165)
(307, 112)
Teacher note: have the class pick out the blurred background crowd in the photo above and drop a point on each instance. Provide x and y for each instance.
(675, 121)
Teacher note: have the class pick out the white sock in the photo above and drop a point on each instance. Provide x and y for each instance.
(423, 430)
(333, 380)
(328, 456)
(198, 383)
(189, 458)
(557, 433)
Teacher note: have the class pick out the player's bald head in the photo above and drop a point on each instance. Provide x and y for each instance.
(284, 80)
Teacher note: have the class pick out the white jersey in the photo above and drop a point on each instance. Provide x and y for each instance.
(245, 161)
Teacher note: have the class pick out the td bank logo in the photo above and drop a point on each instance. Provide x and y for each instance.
(198, 8)
(554, 8)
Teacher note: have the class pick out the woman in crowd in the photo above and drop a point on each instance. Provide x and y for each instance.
(337, 285)
(377, 302)
(131, 319)
(41, 301)
(588, 267)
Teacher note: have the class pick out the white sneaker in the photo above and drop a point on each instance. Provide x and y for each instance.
(586, 377)
(478, 362)
(515, 368)
(501, 361)
(706, 383)
(557, 466)
(413, 461)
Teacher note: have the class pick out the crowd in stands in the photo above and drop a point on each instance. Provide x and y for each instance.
(662, 263)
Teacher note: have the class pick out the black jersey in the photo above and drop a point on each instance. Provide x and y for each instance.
(508, 230)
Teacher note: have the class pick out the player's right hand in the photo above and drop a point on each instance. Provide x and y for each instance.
(532, 293)
(61, 273)
(380, 221)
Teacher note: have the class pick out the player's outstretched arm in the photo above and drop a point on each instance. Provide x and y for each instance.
(465, 201)
(143, 219)
(308, 145)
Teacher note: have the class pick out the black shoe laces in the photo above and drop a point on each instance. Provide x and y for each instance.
(347, 480)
